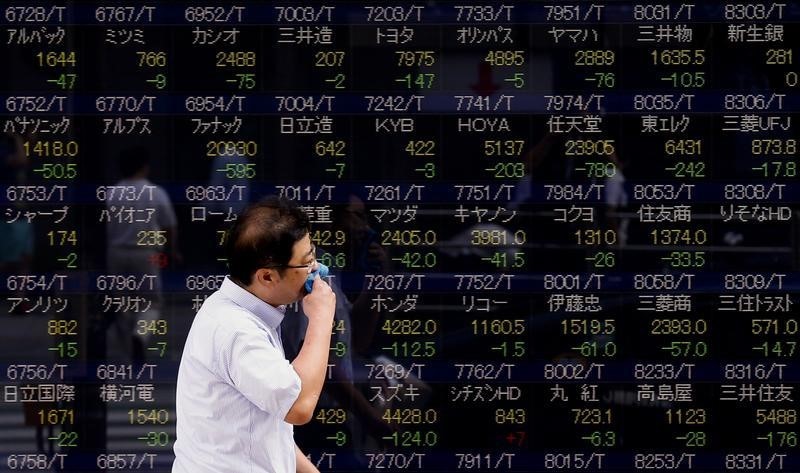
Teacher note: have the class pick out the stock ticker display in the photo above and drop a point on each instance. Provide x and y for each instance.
(564, 233)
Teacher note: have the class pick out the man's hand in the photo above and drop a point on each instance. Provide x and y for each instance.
(320, 304)
(312, 361)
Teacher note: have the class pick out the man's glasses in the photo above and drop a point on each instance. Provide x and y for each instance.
(309, 267)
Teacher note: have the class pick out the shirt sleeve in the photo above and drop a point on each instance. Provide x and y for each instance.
(259, 371)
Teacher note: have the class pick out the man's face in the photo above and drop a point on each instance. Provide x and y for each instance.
(289, 287)
(354, 219)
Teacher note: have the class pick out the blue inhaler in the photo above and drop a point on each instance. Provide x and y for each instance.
(322, 270)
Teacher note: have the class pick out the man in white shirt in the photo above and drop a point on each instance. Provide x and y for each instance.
(140, 227)
(237, 395)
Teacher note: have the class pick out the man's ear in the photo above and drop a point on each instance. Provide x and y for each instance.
(266, 276)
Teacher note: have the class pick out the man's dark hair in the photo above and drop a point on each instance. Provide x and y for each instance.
(339, 211)
(132, 160)
(264, 235)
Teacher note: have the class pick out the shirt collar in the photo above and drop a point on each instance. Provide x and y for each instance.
(244, 298)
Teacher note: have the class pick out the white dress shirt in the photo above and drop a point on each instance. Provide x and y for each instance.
(234, 389)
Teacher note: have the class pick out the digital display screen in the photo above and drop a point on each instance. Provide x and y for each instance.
(563, 235)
